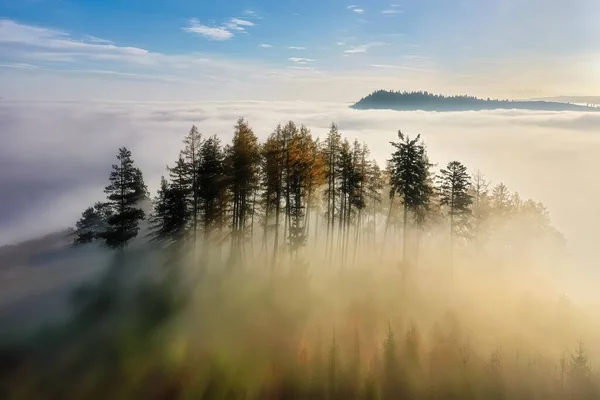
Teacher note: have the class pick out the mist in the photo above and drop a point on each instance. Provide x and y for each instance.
(258, 315)
(50, 169)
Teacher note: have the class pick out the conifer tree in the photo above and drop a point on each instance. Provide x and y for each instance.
(374, 189)
(170, 214)
(501, 202)
(390, 389)
(159, 218)
(454, 185)
(331, 149)
(300, 161)
(191, 156)
(409, 172)
(92, 223)
(479, 191)
(242, 160)
(212, 184)
(272, 185)
(123, 194)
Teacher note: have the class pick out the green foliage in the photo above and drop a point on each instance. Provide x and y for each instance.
(125, 191)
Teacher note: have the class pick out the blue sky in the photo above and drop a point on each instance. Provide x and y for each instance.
(308, 50)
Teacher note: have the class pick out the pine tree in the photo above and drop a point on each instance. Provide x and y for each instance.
(272, 186)
(123, 194)
(92, 223)
(479, 191)
(170, 214)
(159, 218)
(180, 189)
(374, 189)
(454, 184)
(242, 160)
(299, 170)
(390, 388)
(331, 151)
(212, 184)
(409, 172)
(191, 156)
(501, 202)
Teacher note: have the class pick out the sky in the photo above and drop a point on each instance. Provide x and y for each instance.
(332, 50)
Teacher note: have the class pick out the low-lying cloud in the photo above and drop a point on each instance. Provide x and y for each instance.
(55, 157)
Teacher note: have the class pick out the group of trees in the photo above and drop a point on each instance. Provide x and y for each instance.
(217, 195)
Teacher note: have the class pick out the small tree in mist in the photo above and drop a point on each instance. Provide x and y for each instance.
(93, 221)
(480, 208)
(391, 387)
(454, 184)
(125, 191)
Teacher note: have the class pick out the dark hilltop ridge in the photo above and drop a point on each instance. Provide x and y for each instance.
(425, 101)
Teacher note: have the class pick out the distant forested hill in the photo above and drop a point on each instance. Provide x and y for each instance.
(425, 101)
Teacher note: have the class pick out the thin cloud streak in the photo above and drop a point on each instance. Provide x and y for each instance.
(363, 48)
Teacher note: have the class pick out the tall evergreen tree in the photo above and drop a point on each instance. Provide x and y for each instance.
(242, 160)
(170, 214)
(123, 194)
(409, 172)
(212, 184)
(272, 185)
(454, 184)
(331, 150)
(191, 155)
(300, 162)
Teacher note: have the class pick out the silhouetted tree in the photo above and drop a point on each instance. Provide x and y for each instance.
(331, 149)
(124, 194)
(409, 172)
(454, 185)
(92, 223)
(212, 185)
(242, 161)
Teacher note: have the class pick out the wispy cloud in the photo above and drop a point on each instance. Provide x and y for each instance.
(363, 48)
(356, 9)
(403, 67)
(94, 39)
(297, 48)
(392, 10)
(266, 45)
(18, 65)
(57, 41)
(238, 24)
(302, 67)
(209, 32)
(301, 60)
(223, 32)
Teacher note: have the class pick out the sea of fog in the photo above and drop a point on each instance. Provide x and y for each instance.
(55, 158)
